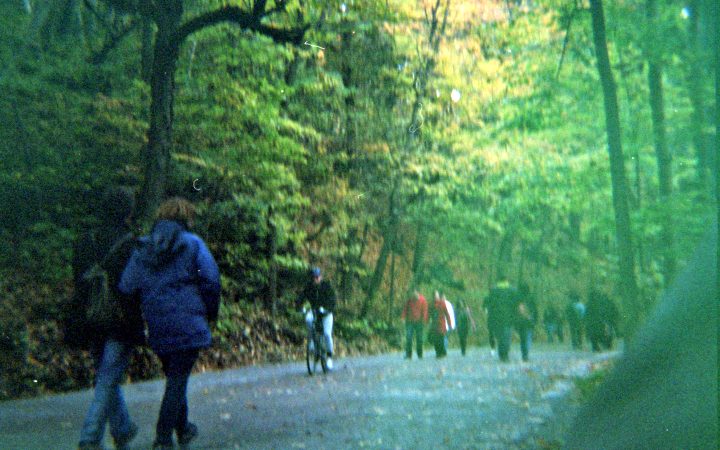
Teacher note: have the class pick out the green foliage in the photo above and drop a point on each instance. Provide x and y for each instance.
(315, 151)
(588, 386)
(14, 347)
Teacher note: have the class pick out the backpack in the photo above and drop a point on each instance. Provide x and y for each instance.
(103, 309)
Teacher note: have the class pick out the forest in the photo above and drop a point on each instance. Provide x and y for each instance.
(396, 144)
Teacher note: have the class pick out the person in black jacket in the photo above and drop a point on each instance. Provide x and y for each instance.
(111, 346)
(526, 315)
(319, 294)
(503, 301)
(575, 316)
(601, 321)
(464, 322)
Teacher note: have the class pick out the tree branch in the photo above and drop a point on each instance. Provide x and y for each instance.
(280, 6)
(112, 42)
(95, 13)
(565, 41)
(244, 20)
(258, 9)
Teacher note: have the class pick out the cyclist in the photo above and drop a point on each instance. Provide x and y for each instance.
(320, 294)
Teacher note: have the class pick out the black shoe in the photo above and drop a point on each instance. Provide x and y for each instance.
(123, 441)
(161, 446)
(189, 433)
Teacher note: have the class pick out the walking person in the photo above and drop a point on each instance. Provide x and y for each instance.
(319, 293)
(553, 324)
(178, 283)
(525, 319)
(489, 305)
(415, 315)
(439, 322)
(464, 322)
(601, 321)
(451, 325)
(504, 301)
(575, 316)
(110, 246)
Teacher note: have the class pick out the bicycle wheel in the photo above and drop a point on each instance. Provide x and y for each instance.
(310, 359)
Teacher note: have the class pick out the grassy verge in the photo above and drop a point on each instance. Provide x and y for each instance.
(587, 386)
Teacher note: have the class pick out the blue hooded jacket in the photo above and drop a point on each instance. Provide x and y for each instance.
(178, 282)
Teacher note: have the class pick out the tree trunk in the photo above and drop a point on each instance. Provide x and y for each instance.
(501, 261)
(521, 266)
(628, 283)
(664, 160)
(388, 246)
(346, 73)
(272, 232)
(694, 77)
(346, 272)
(419, 255)
(379, 271)
(146, 51)
(157, 156)
(391, 300)
(638, 204)
(716, 160)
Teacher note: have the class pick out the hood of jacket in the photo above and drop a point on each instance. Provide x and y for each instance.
(164, 243)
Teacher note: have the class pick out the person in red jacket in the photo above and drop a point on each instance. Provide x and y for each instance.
(415, 315)
(439, 323)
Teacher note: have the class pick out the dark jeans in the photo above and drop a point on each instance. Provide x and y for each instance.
(525, 341)
(554, 329)
(174, 410)
(438, 341)
(504, 338)
(600, 335)
(493, 332)
(413, 328)
(462, 335)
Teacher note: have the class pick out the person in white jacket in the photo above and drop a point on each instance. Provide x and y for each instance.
(451, 322)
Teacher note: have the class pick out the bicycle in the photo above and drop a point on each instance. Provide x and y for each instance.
(316, 349)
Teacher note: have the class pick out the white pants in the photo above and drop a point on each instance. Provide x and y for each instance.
(327, 328)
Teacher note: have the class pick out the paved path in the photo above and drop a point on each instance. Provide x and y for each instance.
(471, 402)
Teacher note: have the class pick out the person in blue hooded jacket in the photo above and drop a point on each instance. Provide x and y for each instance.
(178, 282)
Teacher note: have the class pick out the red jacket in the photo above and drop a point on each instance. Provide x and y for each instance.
(443, 317)
(416, 309)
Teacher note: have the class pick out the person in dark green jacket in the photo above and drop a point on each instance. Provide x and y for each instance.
(110, 346)
(465, 321)
(504, 300)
